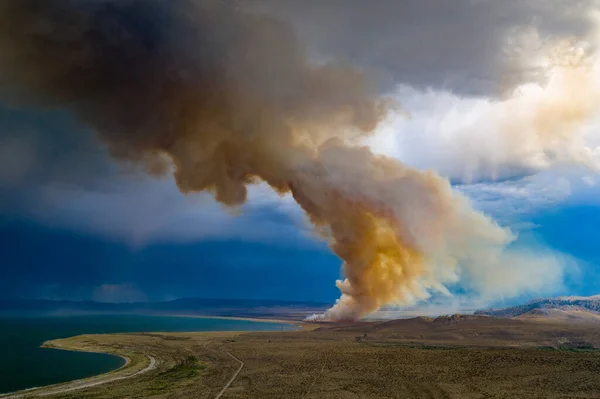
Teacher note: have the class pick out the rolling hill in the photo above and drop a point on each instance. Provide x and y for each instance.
(566, 308)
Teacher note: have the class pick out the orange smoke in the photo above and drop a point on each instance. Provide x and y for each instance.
(226, 99)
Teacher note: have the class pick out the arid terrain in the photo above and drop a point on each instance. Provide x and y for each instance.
(448, 357)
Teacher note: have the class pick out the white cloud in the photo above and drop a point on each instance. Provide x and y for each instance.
(511, 200)
(472, 139)
(590, 180)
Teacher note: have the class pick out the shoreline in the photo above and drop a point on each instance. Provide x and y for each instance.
(253, 319)
(93, 379)
(81, 383)
(116, 373)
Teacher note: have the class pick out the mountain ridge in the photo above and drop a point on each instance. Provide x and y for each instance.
(567, 304)
(258, 308)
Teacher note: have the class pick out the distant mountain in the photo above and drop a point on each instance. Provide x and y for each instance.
(183, 306)
(564, 308)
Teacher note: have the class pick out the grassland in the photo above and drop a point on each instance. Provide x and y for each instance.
(419, 358)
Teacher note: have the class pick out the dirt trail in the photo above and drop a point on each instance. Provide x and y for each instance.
(81, 384)
(233, 377)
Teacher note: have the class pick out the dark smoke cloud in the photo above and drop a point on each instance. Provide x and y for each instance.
(179, 79)
(472, 47)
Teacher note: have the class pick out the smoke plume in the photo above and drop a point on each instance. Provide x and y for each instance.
(222, 99)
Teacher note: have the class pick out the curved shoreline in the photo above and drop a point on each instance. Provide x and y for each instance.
(80, 383)
(116, 374)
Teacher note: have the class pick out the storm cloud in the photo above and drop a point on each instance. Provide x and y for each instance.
(470, 47)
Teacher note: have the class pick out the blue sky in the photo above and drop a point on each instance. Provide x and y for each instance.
(488, 102)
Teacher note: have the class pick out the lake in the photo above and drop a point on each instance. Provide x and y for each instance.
(23, 364)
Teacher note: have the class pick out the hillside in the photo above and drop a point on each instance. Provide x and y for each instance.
(565, 308)
(447, 357)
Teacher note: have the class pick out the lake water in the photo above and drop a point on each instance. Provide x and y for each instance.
(23, 364)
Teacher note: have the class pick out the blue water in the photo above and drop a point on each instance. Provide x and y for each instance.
(23, 364)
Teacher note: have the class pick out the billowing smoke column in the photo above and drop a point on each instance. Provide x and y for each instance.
(226, 99)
